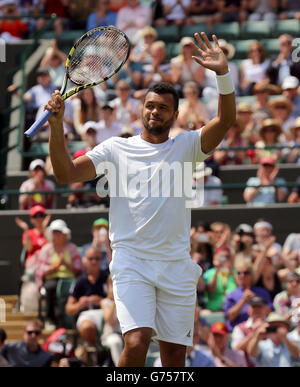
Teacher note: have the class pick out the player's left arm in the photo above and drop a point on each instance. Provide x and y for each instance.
(213, 58)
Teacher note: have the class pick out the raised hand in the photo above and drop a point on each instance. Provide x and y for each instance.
(213, 57)
(23, 225)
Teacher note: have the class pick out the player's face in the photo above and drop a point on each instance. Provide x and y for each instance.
(158, 113)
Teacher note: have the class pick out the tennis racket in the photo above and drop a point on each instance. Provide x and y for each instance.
(95, 57)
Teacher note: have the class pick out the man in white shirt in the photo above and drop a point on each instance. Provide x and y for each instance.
(154, 278)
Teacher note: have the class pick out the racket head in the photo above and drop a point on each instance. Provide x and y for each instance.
(97, 56)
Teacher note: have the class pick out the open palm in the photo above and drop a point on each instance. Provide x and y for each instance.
(212, 57)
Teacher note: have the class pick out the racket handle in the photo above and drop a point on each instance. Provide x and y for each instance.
(36, 126)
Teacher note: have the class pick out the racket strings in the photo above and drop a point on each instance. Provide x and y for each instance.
(97, 56)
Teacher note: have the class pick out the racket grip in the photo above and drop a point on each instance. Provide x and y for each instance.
(36, 126)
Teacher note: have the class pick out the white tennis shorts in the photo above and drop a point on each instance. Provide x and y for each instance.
(157, 294)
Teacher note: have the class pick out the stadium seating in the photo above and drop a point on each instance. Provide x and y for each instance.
(242, 48)
(227, 30)
(214, 317)
(168, 33)
(191, 30)
(286, 27)
(41, 149)
(255, 30)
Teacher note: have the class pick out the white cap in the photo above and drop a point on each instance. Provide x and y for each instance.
(290, 83)
(90, 124)
(263, 225)
(59, 225)
(36, 163)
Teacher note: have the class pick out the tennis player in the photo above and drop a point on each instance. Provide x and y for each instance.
(154, 278)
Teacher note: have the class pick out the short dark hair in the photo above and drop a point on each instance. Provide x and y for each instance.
(3, 335)
(165, 88)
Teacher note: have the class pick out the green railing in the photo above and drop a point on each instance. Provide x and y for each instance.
(7, 130)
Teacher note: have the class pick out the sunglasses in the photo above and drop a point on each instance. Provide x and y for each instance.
(247, 272)
(38, 215)
(94, 259)
(33, 332)
(280, 107)
(123, 88)
(268, 165)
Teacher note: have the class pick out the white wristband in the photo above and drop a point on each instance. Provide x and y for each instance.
(224, 84)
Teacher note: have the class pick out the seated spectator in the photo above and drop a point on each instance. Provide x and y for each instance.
(111, 335)
(269, 134)
(54, 59)
(192, 112)
(60, 8)
(281, 109)
(270, 346)
(289, 10)
(3, 336)
(294, 335)
(288, 300)
(36, 182)
(184, 68)
(243, 241)
(173, 12)
(245, 331)
(234, 138)
(103, 16)
(58, 259)
(199, 10)
(85, 297)
(201, 245)
(253, 69)
(85, 109)
(221, 234)
(12, 29)
(132, 17)
(219, 346)
(206, 197)
(229, 11)
(125, 106)
(261, 91)
(291, 253)
(256, 193)
(100, 241)
(141, 52)
(264, 268)
(292, 155)
(108, 126)
(27, 353)
(90, 129)
(290, 88)
(245, 113)
(78, 13)
(159, 70)
(282, 65)
(237, 302)
(219, 280)
(263, 10)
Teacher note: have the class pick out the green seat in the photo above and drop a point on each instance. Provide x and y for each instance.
(191, 30)
(291, 26)
(227, 30)
(247, 98)
(271, 46)
(255, 30)
(150, 358)
(71, 36)
(48, 35)
(214, 317)
(40, 149)
(172, 49)
(76, 145)
(168, 34)
(242, 48)
(62, 294)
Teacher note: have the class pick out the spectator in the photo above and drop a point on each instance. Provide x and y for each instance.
(78, 13)
(219, 280)
(243, 241)
(85, 109)
(263, 10)
(253, 69)
(282, 66)
(245, 113)
(290, 10)
(218, 343)
(3, 336)
(36, 182)
(108, 126)
(288, 300)
(100, 241)
(199, 10)
(221, 234)
(269, 135)
(234, 138)
(184, 69)
(245, 331)
(256, 193)
(85, 298)
(133, 17)
(126, 107)
(229, 11)
(141, 52)
(59, 258)
(294, 335)
(27, 353)
(237, 302)
(290, 90)
(207, 197)
(103, 16)
(174, 12)
(270, 346)
(263, 232)
(291, 247)
(55, 60)
(261, 91)
(90, 129)
(292, 155)
(111, 336)
(201, 245)
(34, 239)
(160, 69)
(192, 112)
(60, 8)
(11, 29)
(264, 268)
(281, 109)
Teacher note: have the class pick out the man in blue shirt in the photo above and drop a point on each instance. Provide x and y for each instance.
(102, 16)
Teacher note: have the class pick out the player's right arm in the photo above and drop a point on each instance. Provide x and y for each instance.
(65, 170)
